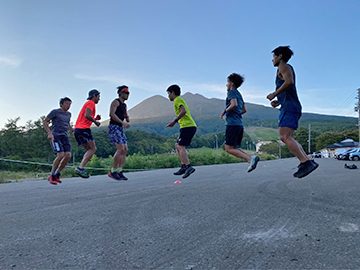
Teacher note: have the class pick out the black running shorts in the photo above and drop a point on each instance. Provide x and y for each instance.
(186, 135)
(234, 135)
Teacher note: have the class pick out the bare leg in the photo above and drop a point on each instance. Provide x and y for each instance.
(183, 155)
(57, 160)
(120, 155)
(286, 136)
(237, 152)
(64, 161)
(91, 149)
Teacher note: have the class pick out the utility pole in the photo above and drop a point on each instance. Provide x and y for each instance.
(216, 145)
(309, 139)
(357, 109)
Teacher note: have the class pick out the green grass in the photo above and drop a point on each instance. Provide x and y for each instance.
(198, 157)
(204, 150)
(262, 133)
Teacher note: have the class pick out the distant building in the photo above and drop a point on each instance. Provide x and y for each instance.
(260, 143)
(339, 147)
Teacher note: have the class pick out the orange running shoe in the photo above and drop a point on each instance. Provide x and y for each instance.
(57, 177)
(52, 179)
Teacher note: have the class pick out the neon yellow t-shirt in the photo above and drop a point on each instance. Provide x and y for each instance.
(186, 120)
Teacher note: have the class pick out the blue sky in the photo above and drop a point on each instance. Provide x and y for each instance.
(52, 49)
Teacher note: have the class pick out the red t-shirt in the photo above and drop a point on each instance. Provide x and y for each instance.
(81, 121)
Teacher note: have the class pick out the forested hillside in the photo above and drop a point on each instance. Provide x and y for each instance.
(154, 113)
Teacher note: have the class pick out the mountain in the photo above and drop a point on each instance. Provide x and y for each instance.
(154, 113)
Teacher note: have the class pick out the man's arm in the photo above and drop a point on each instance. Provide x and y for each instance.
(181, 115)
(113, 116)
(287, 75)
(47, 129)
(233, 105)
(243, 109)
(90, 118)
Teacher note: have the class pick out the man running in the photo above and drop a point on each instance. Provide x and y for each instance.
(290, 111)
(118, 115)
(235, 108)
(83, 133)
(58, 136)
(187, 129)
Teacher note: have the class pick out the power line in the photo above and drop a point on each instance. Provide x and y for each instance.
(345, 104)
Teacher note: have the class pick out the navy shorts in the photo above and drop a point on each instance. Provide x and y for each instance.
(83, 136)
(186, 135)
(289, 119)
(61, 143)
(234, 135)
(116, 134)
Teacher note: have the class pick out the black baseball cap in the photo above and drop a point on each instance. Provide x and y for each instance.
(92, 93)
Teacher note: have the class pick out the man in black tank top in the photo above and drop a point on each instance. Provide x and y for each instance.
(290, 110)
(119, 119)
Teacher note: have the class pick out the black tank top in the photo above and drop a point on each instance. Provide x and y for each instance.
(120, 112)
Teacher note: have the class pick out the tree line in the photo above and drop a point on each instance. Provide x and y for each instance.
(30, 142)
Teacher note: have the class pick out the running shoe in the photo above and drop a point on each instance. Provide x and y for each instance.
(121, 176)
(52, 179)
(181, 171)
(57, 176)
(306, 168)
(82, 173)
(114, 175)
(188, 171)
(253, 162)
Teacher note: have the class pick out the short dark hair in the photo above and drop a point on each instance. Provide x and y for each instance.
(237, 79)
(285, 51)
(119, 88)
(62, 100)
(174, 88)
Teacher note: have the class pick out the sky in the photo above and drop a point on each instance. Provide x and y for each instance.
(53, 49)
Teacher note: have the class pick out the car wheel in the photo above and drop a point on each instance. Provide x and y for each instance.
(355, 158)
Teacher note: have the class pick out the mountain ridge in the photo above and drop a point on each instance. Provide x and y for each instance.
(152, 115)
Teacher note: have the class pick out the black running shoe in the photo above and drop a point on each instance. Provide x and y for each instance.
(114, 175)
(306, 168)
(122, 176)
(181, 171)
(188, 171)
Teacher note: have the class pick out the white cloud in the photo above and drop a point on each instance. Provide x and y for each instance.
(12, 61)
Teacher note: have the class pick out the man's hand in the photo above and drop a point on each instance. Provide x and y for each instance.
(171, 124)
(271, 96)
(125, 125)
(97, 123)
(98, 117)
(222, 115)
(275, 103)
(51, 137)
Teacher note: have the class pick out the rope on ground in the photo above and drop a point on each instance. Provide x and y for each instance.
(68, 166)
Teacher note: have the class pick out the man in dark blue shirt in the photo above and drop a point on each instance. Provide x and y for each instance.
(235, 107)
(290, 110)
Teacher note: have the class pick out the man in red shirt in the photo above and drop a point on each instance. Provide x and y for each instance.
(82, 131)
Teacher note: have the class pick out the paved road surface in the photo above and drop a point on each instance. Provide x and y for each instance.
(219, 218)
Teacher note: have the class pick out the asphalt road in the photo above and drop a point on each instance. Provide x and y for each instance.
(221, 217)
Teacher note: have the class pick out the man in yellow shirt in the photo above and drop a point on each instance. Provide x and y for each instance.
(187, 129)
